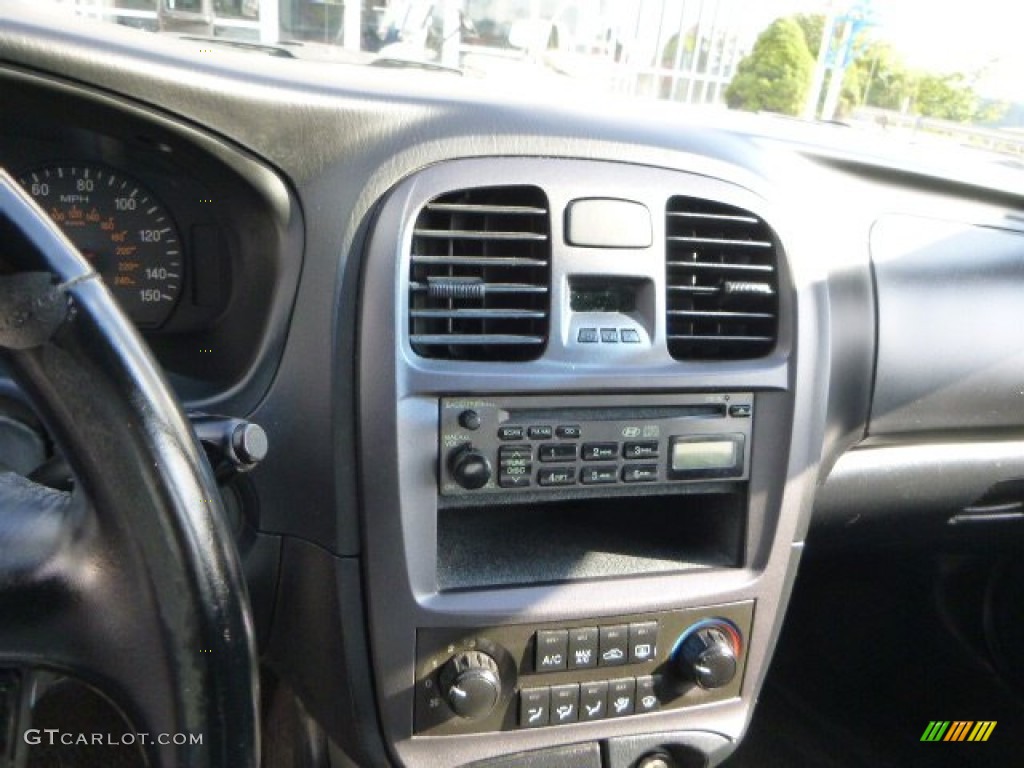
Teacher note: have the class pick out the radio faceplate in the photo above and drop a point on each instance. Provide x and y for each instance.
(534, 444)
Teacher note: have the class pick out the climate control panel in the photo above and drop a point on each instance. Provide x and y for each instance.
(538, 676)
(515, 445)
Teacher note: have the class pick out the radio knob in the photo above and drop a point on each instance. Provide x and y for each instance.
(469, 467)
(707, 654)
(471, 684)
(470, 420)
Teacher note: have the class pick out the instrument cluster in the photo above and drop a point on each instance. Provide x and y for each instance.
(121, 228)
(200, 244)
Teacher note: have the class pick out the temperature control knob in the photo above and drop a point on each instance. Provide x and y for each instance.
(471, 684)
(469, 467)
(707, 653)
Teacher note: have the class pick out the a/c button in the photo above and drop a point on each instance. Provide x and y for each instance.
(552, 649)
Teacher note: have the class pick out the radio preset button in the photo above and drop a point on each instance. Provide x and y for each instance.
(614, 645)
(599, 475)
(557, 452)
(640, 473)
(583, 648)
(648, 449)
(540, 432)
(510, 433)
(552, 650)
(568, 432)
(557, 476)
(600, 451)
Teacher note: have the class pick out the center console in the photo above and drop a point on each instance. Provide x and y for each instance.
(582, 502)
(551, 463)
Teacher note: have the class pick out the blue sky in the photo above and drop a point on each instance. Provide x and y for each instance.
(965, 36)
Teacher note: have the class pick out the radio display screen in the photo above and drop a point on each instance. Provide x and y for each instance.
(706, 454)
(706, 457)
(603, 297)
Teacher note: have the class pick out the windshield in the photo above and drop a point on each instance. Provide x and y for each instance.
(910, 69)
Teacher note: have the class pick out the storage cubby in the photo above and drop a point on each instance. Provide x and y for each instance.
(571, 540)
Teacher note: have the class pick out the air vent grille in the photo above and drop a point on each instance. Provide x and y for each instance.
(480, 275)
(722, 282)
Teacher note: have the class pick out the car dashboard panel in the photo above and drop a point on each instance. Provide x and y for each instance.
(551, 393)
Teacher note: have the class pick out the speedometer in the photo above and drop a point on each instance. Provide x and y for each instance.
(122, 230)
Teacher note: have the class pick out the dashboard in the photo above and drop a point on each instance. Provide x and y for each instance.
(553, 394)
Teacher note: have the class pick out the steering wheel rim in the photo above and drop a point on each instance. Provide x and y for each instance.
(133, 582)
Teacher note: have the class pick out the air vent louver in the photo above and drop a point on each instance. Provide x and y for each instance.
(722, 282)
(480, 275)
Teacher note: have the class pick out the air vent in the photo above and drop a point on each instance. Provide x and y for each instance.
(480, 275)
(722, 282)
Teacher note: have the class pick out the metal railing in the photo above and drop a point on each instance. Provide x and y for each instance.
(995, 139)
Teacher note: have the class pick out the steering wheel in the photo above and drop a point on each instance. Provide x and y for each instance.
(130, 582)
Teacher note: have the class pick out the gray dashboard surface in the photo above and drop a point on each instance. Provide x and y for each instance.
(342, 144)
(949, 344)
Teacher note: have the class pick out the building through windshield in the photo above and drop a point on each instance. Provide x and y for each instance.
(673, 49)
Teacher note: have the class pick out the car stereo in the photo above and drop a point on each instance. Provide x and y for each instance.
(523, 444)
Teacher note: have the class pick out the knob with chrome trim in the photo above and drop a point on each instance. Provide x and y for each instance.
(471, 684)
(469, 467)
(707, 653)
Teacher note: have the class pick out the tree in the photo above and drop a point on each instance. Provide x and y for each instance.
(990, 111)
(947, 97)
(877, 77)
(885, 81)
(776, 74)
(813, 27)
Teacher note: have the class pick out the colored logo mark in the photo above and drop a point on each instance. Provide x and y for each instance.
(958, 730)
